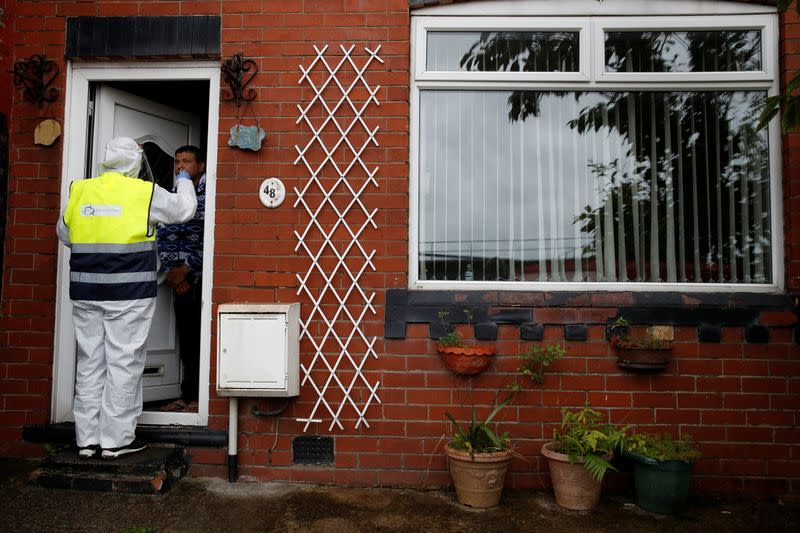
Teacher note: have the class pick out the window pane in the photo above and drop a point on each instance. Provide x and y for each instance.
(507, 51)
(683, 51)
(589, 186)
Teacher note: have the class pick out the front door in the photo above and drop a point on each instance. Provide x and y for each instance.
(160, 130)
(163, 105)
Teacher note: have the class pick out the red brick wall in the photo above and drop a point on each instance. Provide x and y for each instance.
(6, 65)
(739, 400)
(27, 308)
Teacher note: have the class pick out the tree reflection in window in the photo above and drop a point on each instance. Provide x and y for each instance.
(594, 186)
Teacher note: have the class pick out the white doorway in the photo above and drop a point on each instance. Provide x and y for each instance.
(120, 107)
(160, 129)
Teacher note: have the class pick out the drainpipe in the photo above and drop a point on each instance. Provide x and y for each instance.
(233, 430)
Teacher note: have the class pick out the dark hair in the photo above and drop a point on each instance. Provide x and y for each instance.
(199, 155)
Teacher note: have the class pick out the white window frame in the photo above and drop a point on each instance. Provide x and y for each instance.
(591, 75)
(455, 24)
(765, 24)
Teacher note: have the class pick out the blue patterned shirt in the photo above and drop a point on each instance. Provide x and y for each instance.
(183, 243)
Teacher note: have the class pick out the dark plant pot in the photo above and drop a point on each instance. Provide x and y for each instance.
(661, 486)
(466, 360)
(640, 359)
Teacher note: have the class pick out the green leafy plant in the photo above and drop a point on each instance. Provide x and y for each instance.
(663, 447)
(787, 102)
(584, 435)
(453, 338)
(478, 436)
(538, 357)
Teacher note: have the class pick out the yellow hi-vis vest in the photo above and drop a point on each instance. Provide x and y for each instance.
(113, 252)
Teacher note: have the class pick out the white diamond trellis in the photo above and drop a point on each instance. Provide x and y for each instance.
(333, 200)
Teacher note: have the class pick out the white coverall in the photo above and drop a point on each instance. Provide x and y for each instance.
(111, 339)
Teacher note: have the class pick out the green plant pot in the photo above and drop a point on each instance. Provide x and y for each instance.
(661, 486)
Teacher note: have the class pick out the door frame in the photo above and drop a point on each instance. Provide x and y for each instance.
(79, 76)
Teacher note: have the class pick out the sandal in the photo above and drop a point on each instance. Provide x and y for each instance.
(177, 405)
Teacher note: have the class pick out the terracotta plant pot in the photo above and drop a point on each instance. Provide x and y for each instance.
(466, 360)
(479, 478)
(644, 359)
(574, 486)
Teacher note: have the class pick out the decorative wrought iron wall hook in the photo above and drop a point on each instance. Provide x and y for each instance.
(35, 75)
(233, 72)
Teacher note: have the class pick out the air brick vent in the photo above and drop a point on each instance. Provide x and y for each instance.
(312, 450)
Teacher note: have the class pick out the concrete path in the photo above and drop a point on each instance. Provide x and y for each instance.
(208, 505)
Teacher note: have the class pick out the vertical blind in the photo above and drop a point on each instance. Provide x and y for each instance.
(565, 186)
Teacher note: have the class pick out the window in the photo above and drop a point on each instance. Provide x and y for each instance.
(594, 152)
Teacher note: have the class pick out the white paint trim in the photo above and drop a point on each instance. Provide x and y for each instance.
(413, 155)
(593, 7)
(442, 17)
(776, 167)
(79, 76)
(534, 286)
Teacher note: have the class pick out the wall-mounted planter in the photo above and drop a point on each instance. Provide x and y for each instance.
(643, 359)
(466, 360)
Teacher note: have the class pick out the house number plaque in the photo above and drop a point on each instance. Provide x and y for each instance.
(272, 192)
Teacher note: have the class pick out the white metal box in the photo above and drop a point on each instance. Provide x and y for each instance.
(258, 349)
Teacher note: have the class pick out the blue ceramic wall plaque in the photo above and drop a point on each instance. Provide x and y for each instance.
(247, 137)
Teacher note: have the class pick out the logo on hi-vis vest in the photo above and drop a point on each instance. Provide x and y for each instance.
(101, 210)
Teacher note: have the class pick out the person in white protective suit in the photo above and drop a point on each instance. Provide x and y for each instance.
(109, 224)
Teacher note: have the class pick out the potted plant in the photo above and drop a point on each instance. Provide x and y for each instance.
(478, 459)
(662, 470)
(460, 358)
(579, 455)
(478, 455)
(646, 352)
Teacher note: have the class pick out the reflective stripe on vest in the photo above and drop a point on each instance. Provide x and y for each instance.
(113, 254)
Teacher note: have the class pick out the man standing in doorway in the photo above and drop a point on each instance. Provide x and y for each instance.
(180, 249)
(109, 225)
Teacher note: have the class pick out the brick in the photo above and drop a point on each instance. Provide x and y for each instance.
(777, 318)
(700, 400)
(612, 399)
(712, 367)
(734, 367)
(678, 416)
(655, 399)
(749, 434)
(771, 418)
(769, 385)
(746, 401)
(756, 334)
(721, 384)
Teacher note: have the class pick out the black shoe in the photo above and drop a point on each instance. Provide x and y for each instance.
(135, 446)
(88, 452)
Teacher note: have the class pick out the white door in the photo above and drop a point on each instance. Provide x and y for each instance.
(160, 130)
(81, 78)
